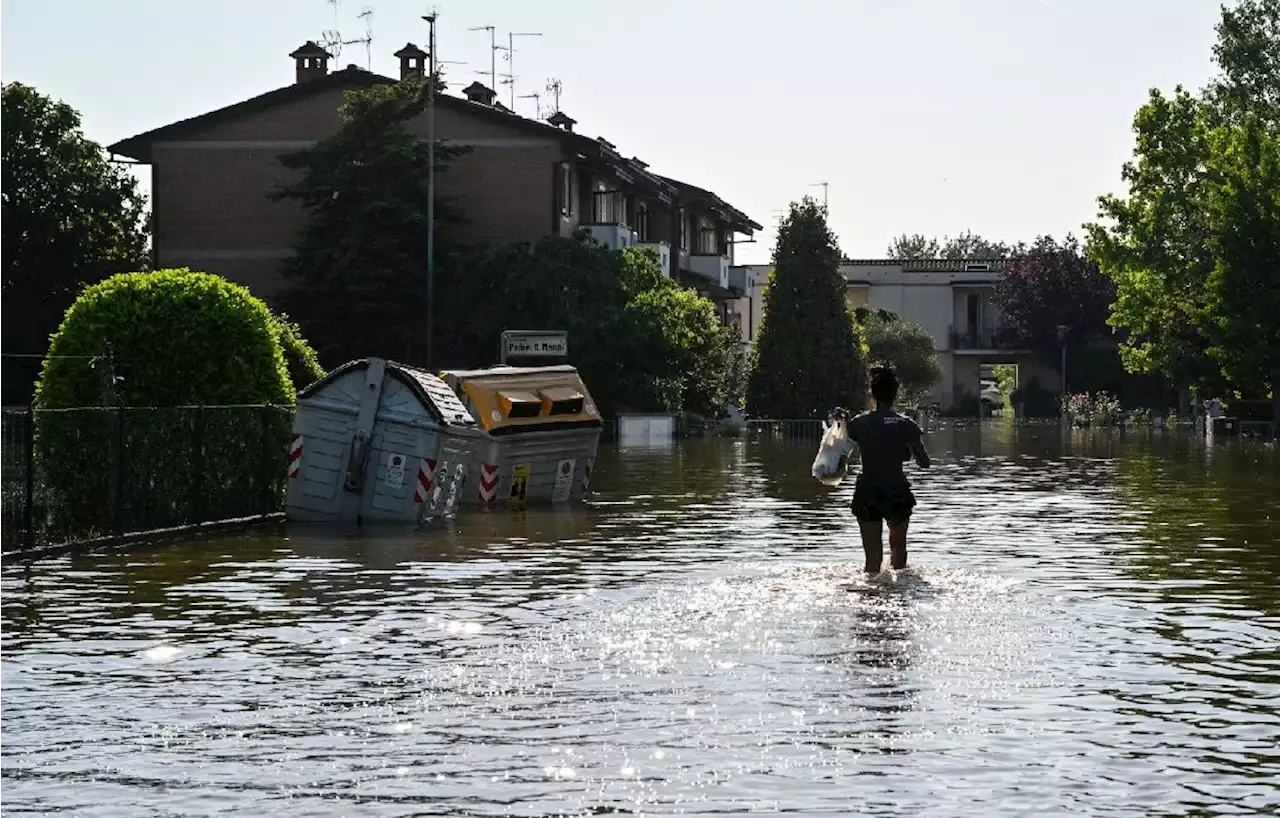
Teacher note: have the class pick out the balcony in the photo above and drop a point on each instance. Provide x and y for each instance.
(712, 267)
(985, 339)
(664, 254)
(613, 236)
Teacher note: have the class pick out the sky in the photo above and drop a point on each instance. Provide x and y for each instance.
(1005, 117)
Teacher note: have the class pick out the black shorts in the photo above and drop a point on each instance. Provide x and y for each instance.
(876, 503)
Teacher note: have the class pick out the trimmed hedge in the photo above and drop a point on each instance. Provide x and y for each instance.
(176, 337)
(301, 359)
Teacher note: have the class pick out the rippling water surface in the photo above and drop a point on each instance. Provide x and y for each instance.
(1090, 626)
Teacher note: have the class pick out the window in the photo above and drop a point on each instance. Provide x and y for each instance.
(566, 190)
(684, 230)
(642, 222)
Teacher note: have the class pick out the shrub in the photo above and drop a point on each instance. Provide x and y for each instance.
(302, 361)
(174, 337)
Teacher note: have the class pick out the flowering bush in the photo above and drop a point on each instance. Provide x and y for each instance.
(1097, 409)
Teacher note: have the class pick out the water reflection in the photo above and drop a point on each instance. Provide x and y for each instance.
(1090, 626)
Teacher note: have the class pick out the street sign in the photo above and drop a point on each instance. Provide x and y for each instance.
(534, 344)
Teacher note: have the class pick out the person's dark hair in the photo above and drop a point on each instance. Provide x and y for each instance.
(884, 384)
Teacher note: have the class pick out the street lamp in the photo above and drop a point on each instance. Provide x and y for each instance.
(431, 183)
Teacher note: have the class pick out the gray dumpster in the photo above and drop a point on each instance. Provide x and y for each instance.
(379, 441)
(542, 432)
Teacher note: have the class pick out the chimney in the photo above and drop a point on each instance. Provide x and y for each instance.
(413, 62)
(479, 93)
(311, 61)
(562, 120)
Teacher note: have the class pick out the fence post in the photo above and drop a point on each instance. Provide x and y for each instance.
(117, 472)
(265, 466)
(28, 499)
(198, 466)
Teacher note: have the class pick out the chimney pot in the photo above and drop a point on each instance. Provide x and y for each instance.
(413, 61)
(480, 93)
(562, 120)
(310, 61)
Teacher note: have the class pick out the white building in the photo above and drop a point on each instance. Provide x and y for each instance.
(953, 300)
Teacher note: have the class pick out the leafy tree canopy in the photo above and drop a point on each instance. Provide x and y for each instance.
(642, 342)
(967, 245)
(176, 337)
(1052, 284)
(1192, 247)
(357, 281)
(807, 357)
(909, 347)
(70, 216)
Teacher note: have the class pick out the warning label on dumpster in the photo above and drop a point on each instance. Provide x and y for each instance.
(395, 470)
(519, 484)
(564, 481)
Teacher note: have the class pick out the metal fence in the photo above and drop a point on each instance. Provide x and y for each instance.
(71, 475)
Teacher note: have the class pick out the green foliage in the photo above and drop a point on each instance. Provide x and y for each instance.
(357, 281)
(303, 363)
(174, 337)
(1155, 246)
(70, 217)
(1193, 247)
(1242, 206)
(1006, 377)
(910, 348)
(177, 336)
(807, 357)
(967, 245)
(642, 342)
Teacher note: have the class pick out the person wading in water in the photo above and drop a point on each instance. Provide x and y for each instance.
(882, 493)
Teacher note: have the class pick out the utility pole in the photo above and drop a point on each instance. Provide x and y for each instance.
(511, 58)
(431, 185)
(493, 55)
(822, 185)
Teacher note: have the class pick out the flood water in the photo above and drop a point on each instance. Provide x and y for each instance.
(1090, 626)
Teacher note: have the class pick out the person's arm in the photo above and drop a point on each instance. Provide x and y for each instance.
(917, 448)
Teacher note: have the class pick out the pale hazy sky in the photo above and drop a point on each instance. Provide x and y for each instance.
(1005, 117)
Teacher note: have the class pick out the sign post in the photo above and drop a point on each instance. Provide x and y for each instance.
(520, 343)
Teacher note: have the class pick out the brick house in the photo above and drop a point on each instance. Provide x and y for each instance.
(522, 179)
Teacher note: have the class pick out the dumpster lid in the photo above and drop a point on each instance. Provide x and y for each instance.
(435, 395)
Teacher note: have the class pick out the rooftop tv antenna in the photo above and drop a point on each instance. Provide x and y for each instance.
(537, 101)
(822, 185)
(493, 55)
(331, 39)
(509, 78)
(554, 88)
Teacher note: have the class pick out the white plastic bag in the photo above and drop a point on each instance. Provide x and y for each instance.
(832, 462)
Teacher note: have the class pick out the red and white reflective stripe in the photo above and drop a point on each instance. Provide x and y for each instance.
(488, 482)
(426, 474)
(586, 475)
(295, 456)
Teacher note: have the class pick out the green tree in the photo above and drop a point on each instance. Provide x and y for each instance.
(1154, 244)
(177, 337)
(967, 245)
(641, 342)
(1248, 57)
(1242, 206)
(300, 358)
(910, 348)
(357, 281)
(70, 218)
(807, 357)
(142, 344)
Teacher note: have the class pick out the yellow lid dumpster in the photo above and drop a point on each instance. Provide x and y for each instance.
(544, 430)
